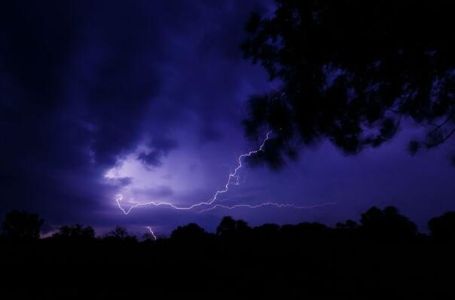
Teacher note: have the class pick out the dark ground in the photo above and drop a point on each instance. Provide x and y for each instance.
(381, 256)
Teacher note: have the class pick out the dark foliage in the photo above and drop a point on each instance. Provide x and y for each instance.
(75, 233)
(350, 71)
(382, 255)
(443, 228)
(21, 226)
(386, 225)
(230, 228)
(190, 232)
(119, 235)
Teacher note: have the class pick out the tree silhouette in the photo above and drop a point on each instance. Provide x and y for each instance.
(380, 254)
(229, 227)
(21, 226)
(267, 231)
(305, 230)
(75, 233)
(347, 225)
(148, 237)
(190, 232)
(120, 234)
(350, 71)
(387, 225)
(443, 227)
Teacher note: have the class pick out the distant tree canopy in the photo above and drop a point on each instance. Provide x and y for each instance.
(387, 224)
(120, 234)
(75, 232)
(229, 227)
(350, 71)
(190, 232)
(443, 227)
(21, 226)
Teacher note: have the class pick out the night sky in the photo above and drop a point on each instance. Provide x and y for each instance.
(146, 98)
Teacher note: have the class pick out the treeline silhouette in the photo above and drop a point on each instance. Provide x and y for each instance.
(382, 254)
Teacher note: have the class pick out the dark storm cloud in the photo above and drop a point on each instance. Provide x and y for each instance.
(35, 41)
(83, 83)
(124, 181)
(75, 78)
(203, 68)
(152, 158)
(159, 148)
(164, 144)
(210, 134)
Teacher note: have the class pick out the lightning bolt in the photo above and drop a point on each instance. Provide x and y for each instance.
(150, 230)
(265, 204)
(233, 178)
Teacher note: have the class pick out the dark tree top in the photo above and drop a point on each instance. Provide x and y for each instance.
(351, 70)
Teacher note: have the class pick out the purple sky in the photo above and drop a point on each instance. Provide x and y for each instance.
(147, 97)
